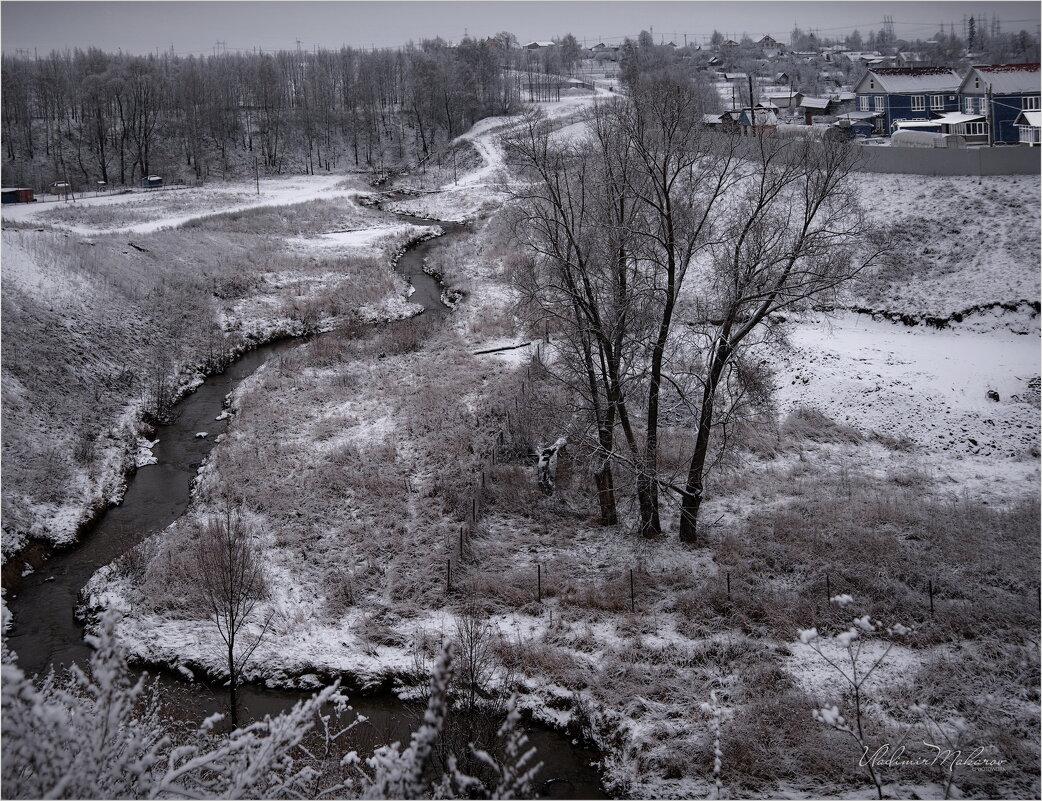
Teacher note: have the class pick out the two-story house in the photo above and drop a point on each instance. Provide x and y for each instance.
(907, 93)
(999, 93)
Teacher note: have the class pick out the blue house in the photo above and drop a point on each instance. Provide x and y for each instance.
(1013, 88)
(907, 93)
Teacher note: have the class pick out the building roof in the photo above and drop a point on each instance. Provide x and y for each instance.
(1005, 79)
(918, 124)
(712, 119)
(854, 116)
(911, 79)
(735, 76)
(538, 44)
(759, 116)
(956, 117)
(815, 102)
(1032, 118)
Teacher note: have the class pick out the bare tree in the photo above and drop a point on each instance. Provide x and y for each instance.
(794, 232)
(681, 174)
(232, 582)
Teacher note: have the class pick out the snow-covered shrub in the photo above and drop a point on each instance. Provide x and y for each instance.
(98, 734)
(846, 655)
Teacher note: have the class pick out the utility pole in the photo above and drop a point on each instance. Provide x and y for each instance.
(989, 111)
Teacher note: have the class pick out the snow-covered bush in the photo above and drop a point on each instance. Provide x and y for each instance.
(846, 655)
(98, 734)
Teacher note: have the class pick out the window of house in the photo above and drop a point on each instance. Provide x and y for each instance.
(880, 103)
(863, 102)
(974, 128)
(937, 101)
(983, 105)
(967, 105)
(1032, 103)
(918, 103)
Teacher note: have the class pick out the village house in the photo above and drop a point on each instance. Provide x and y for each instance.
(757, 121)
(907, 93)
(998, 93)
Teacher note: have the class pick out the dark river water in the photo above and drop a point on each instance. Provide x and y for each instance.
(45, 632)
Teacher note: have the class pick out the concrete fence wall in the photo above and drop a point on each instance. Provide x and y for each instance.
(1010, 160)
(1004, 160)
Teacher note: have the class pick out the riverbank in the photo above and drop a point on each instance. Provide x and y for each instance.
(108, 330)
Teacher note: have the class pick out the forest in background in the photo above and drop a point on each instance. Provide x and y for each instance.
(85, 116)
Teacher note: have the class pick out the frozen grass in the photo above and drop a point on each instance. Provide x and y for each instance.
(140, 207)
(300, 219)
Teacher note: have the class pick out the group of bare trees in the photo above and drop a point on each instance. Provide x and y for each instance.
(88, 116)
(660, 251)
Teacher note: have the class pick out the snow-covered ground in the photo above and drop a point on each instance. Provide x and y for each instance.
(930, 386)
(82, 337)
(170, 208)
(358, 503)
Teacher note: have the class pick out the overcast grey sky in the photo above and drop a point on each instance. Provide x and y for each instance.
(196, 27)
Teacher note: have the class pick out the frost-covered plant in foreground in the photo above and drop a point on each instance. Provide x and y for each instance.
(98, 734)
(712, 708)
(856, 666)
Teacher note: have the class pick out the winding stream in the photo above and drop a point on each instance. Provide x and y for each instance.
(46, 634)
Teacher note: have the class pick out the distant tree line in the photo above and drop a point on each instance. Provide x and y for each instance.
(87, 115)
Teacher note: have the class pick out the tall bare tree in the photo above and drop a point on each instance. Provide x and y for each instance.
(794, 231)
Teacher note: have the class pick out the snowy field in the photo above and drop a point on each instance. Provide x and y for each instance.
(889, 474)
(145, 211)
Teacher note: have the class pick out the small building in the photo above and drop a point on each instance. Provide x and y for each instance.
(17, 195)
(152, 182)
(768, 41)
(757, 121)
(862, 123)
(972, 127)
(783, 100)
(910, 58)
(811, 106)
(907, 93)
(538, 45)
(1000, 92)
(1028, 124)
(926, 139)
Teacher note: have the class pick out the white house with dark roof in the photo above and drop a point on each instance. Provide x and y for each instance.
(998, 93)
(907, 93)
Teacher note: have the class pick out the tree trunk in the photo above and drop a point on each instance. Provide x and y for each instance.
(692, 501)
(233, 695)
(605, 481)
